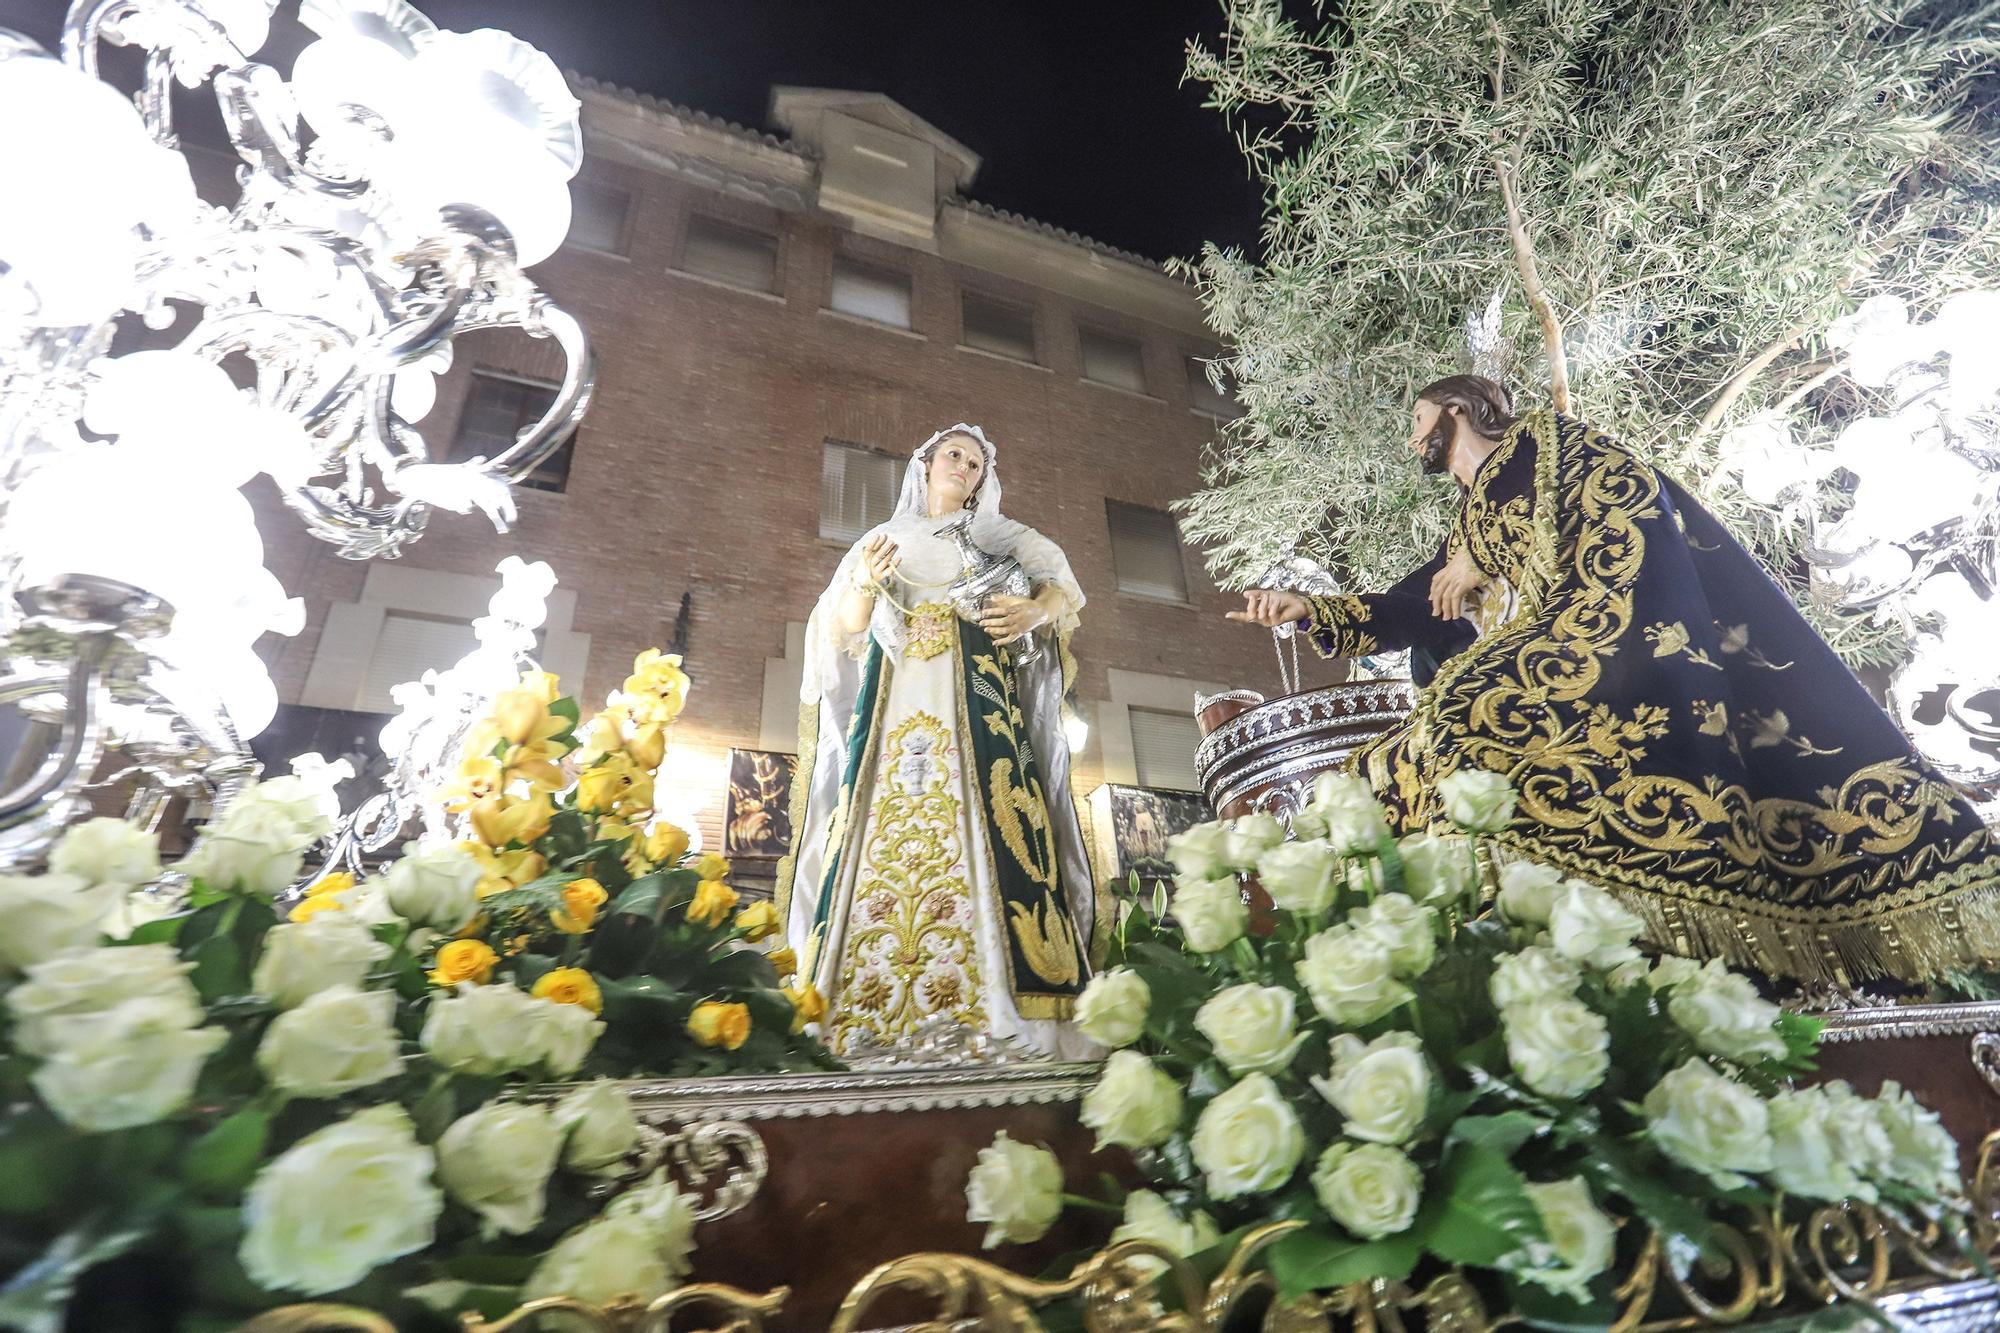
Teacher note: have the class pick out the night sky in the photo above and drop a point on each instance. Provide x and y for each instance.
(1076, 106)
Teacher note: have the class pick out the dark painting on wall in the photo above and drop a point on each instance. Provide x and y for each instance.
(759, 815)
(1132, 825)
(333, 733)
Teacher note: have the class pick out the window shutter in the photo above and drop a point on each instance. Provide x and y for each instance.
(1109, 359)
(1206, 397)
(1001, 329)
(734, 255)
(857, 490)
(498, 408)
(1163, 746)
(597, 218)
(1146, 550)
(870, 293)
(409, 646)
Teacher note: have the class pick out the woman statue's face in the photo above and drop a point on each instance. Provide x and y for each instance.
(956, 465)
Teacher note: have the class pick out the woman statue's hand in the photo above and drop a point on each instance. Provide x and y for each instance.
(1009, 618)
(1450, 585)
(1271, 608)
(879, 559)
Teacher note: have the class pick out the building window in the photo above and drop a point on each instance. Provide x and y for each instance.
(498, 409)
(409, 645)
(1146, 549)
(597, 218)
(870, 293)
(857, 490)
(1206, 397)
(1003, 330)
(1110, 359)
(733, 255)
(1163, 746)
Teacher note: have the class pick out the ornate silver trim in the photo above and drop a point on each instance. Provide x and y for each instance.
(1946, 1307)
(1891, 1021)
(751, 1097)
(1352, 702)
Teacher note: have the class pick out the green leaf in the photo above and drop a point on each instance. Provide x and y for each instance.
(1319, 1259)
(223, 1160)
(1545, 1309)
(1477, 1210)
(164, 930)
(1503, 1134)
(566, 709)
(644, 897)
(218, 967)
(40, 1161)
(435, 1110)
(1615, 1166)
(642, 1000)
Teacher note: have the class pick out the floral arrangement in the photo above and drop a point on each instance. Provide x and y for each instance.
(1417, 1082)
(247, 1101)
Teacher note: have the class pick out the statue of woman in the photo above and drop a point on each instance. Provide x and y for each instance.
(938, 873)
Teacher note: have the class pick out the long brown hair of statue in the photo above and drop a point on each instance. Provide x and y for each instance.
(1486, 405)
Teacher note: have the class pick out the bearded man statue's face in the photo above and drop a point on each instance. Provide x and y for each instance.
(1432, 429)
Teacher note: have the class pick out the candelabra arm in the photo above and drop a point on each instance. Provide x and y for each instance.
(32, 813)
(572, 399)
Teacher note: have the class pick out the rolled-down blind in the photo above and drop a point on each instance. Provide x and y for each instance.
(735, 255)
(1112, 360)
(409, 646)
(857, 490)
(1163, 746)
(870, 293)
(1146, 550)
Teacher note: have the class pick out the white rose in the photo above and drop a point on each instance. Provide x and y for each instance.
(1016, 1188)
(1253, 1029)
(1201, 852)
(334, 1042)
(1921, 1153)
(1248, 1140)
(1671, 970)
(303, 958)
(368, 904)
(1436, 870)
(1805, 1158)
(1528, 891)
(62, 999)
(1350, 977)
(301, 810)
(1718, 1127)
(135, 907)
(107, 851)
(1149, 1217)
(1581, 1239)
(1249, 837)
(1590, 926)
(137, 1063)
(339, 1203)
(1299, 876)
(1134, 1103)
(1632, 972)
(563, 1035)
(1112, 1009)
(1724, 1014)
(497, 1162)
(485, 1029)
(1476, 800)
(640, 1248)
(1211, 913)
(602, 1129)
(256, 860)
(1535, 973)
(1559, 1047)
(434, 886)
(1371, 1189)
(1383, 1088)
(1407, 931)
(1351, 812)
(45, 915)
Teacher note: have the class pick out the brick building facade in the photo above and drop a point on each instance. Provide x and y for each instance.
(708, 262)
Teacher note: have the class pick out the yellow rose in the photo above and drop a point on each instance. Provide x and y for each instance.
(723, 1025)
(647, 746)
(313, 904)
(786, 961)
(712, 866)
(808, 1005)
(582, 899)
(499, 821)
(713, 902)
(570, 985)
(759, 921)
(462, 961)
(666, 844)
(337, 882)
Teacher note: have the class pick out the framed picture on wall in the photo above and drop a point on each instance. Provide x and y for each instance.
(1131, 826)
(758, 816)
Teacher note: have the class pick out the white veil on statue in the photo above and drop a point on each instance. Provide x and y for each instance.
(832, 676)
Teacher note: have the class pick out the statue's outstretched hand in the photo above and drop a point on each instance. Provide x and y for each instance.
(1450, 585)
(879, 559)
(1271, 608)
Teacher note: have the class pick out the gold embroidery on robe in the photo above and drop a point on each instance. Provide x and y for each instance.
(932, 631)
